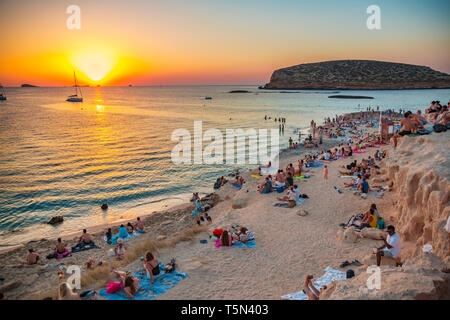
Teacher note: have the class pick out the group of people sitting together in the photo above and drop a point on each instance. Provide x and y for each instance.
(235, 235)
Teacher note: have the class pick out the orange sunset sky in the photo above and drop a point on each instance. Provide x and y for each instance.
(209, 42)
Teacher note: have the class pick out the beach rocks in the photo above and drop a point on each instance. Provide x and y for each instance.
(104, 206)
(11, 285)
(418, 279)
(160, 238)
(348, 235)
(373, 233)
(55, 220)
(302, 212)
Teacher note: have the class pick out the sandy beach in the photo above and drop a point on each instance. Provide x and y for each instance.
(288, 245)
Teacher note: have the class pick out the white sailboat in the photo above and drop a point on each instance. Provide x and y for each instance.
(2, 94)
(75, 97)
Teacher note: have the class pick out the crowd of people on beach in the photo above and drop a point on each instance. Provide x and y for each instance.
(347, 128)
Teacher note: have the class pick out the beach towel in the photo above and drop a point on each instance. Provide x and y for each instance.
(317, 165)
(84, 246)
(359, 151)
(302, 177)
(329, 276)
(59, 256)
(162, 283)
(237, 244)
(237, 186)
(128, 236)
(268, 171)
(256, 176)
(285, 204)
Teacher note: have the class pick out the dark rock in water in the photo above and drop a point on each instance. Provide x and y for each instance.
(343, 96)
(239, 91)
(26, 85)
(55, 220)
(104, 206)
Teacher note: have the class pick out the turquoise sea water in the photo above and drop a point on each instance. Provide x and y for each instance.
(61, 158)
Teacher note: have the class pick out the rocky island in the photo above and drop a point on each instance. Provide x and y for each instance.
(357, 75)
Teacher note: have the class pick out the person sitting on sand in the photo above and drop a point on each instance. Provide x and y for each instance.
(291, 197)
(130, 284)
(32, 257)
(408, 125)
(239, 181)
(60, 250)
(290, 169)
(310, 289)
(139, 225)
(266, 186)
(151, 265)
(391, 247)
(363, 187)
(207, 218)
(130, 228)
(289, 179)
(242, 235)
(65, 292)
(85, 238)
(225, 238)
(280, 179)
(120, 250)
(123, 233)
(108, 236)
(369, 219)
(195, 197)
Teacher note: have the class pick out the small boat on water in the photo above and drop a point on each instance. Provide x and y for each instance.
(75, 97)
(208, 98)
(2, 94)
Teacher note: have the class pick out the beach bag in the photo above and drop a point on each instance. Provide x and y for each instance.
(217, 232)
(380, 223)
(113, 287)
(439, 128)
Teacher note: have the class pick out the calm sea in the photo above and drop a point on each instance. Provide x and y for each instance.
(61, 158)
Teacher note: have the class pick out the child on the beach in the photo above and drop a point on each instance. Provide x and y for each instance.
(325, 172)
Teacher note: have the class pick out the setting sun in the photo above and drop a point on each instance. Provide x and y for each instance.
(96, 65)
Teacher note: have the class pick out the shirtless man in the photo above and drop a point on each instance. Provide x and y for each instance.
(32, 257)
(280, 179)
(85, 237)
(409, 125)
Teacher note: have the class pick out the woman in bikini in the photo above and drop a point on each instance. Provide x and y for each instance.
(151, 265)
(130, 284)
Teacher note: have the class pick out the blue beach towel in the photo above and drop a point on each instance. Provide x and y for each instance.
(317, 165)
(329, 276)
(163, 282)
(125, 238)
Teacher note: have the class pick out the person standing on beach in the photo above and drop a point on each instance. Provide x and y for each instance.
(325, 172)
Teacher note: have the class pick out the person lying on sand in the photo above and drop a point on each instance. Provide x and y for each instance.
(130, 284)
(120, 249)
(151, 265)
(269, 165)
(32, 257)
(310, 289)
(65, 292)
(391, 247)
